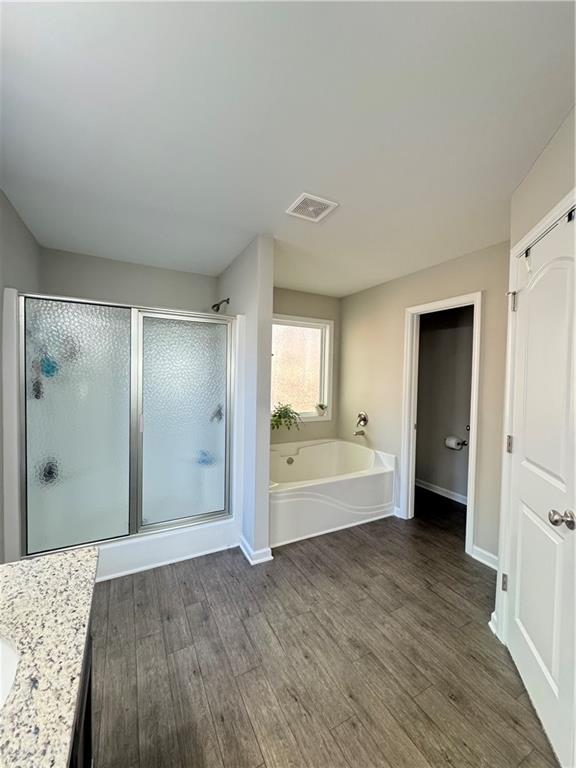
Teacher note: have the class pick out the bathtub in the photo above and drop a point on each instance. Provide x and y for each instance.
(324, 485)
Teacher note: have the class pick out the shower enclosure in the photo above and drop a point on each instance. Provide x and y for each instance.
(125, 415)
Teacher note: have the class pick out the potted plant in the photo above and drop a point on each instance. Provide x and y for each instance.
(321, 409)
(284, 416)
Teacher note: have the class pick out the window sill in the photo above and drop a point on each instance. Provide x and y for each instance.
(306, 417)
(315, 417)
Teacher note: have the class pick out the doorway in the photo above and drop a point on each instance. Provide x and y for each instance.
(441, 377)
(443, 418)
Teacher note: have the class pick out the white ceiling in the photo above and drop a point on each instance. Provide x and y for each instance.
(172, 133)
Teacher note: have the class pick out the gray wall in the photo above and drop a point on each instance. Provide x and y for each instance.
(88, 277)
(18, 250)
(444, 382)
(302, 304)
(372, 358)
(551, 178)
(248, 281)
(19, 268)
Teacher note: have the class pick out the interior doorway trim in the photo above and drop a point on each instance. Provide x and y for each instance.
(410, 403)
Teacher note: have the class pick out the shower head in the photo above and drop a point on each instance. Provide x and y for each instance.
(216, 307)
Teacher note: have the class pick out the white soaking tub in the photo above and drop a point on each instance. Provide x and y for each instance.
(324, 485)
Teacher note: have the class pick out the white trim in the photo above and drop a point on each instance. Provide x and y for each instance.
(398, 513)
(553, 215)
(485, 557)
(255, 556)
(11, 431)
(448, 494)
(152, 550)
(410, 402)
(307, 417)
(170, 561)
(493, 623)
(326, 384)
(504, 533)
(237, 477)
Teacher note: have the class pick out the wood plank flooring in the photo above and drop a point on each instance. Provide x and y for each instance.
(365, 648)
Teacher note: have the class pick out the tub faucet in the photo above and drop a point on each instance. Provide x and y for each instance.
(359, 433)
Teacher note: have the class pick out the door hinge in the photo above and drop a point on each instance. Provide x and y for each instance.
(513, 300)
(509, 442)
(504, 582)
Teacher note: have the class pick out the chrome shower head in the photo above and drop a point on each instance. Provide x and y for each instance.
(216, 307)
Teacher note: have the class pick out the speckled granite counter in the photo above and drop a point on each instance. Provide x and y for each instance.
(45, 611)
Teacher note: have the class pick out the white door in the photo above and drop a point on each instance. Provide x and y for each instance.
(542, 575)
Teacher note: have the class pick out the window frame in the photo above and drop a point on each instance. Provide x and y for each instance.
(327, 355)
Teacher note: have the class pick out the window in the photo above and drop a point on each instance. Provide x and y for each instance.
(302, 365)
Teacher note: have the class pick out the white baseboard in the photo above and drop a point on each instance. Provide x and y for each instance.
(487, 558)
(399, 513)
(159, 564)
(493, 623)
(452, 495)
(151, 550)
(255, 556)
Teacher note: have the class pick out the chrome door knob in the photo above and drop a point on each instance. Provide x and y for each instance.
(569, 519)
(557, 518)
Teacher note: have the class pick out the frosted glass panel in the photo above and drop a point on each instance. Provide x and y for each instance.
(77, 422)
(184, 395)
(297, 367)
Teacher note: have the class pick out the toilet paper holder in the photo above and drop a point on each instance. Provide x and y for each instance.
(455, 443)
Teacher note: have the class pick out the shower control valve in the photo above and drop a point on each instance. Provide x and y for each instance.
(362, 419)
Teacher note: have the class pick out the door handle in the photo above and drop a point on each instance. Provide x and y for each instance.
(557, 518)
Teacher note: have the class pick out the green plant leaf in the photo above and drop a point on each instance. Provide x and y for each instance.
(284, 415)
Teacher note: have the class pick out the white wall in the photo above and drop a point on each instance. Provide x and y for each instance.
(444, 384)
(248, 281)
(88, 277)
(303, 304)
(551, 178)
(19, 268)
(371, 363)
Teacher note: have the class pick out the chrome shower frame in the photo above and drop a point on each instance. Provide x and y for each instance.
(138, 313)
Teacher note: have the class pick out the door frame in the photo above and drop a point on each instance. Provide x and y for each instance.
(138, 318)
(499, 620)
(410, 405)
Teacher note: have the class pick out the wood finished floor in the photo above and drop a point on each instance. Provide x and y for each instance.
(366, 648)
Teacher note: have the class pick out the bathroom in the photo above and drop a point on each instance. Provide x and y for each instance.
(212, 552)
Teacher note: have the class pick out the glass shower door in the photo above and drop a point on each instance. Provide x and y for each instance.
(184, 392)
(77, 408)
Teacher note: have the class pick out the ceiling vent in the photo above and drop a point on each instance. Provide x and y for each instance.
(311, 208)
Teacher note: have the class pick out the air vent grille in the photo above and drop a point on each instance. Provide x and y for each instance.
(311, 208)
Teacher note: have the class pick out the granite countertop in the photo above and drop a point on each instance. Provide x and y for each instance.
(45, 608)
